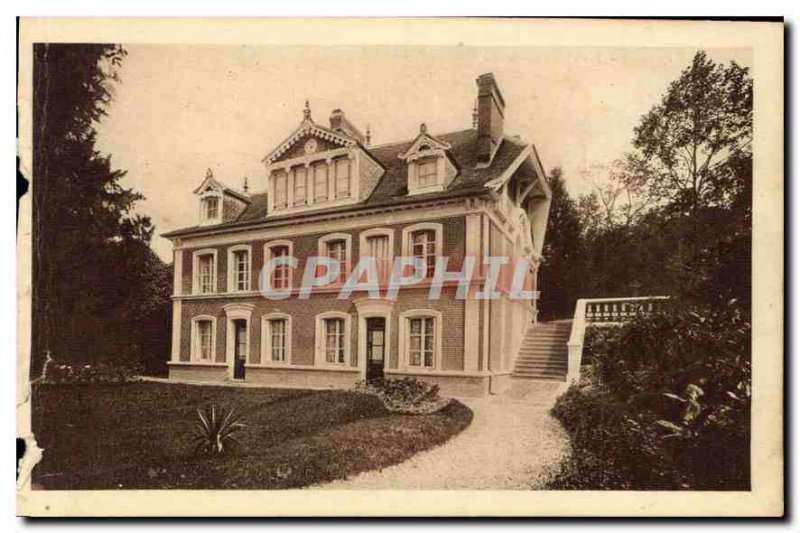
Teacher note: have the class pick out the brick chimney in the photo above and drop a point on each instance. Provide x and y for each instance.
(340, 124)
(491, 108)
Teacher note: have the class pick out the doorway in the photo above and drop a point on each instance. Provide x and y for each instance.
(376, 348)
(239, 347)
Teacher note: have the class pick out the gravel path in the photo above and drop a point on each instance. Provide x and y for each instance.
(512, 444)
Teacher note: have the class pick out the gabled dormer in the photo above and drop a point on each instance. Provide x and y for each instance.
(318, 167)
(430, 169)
(219, 203)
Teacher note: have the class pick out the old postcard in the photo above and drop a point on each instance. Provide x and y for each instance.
(373, 267)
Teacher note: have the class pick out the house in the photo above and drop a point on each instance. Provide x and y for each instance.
(329, 193)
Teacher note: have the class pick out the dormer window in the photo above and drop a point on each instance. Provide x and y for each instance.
(218, 203)
(426, 173)
(429, 167)
(211, 207)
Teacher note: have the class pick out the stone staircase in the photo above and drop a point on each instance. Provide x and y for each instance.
(543, 354)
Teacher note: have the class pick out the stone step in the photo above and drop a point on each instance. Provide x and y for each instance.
(560, 352)
(549, 377)
(542, 357)
(542, 368)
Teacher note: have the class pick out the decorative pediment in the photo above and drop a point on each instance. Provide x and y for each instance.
(308, 129)
(425, 144)
(209, 185)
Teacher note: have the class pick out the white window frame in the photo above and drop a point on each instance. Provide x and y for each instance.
(438, 230)
(196, 270)
(273, 180)
(205, 220)
(435, 156)
(268, 255)
(320, 339)
(322, 251)
(266, 339)
(306, 188)
(363, 239)
(335, 166)
(404, 344)
(232, 267)
(194, 354)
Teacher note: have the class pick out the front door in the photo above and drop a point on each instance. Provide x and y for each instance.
(376, 347)
(239, 348)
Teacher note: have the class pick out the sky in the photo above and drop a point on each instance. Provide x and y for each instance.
(181, 109)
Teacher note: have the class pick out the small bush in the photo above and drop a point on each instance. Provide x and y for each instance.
(95, 372)
(666, 405)
(406, 395)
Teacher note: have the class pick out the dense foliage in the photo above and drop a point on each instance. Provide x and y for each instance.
(666, 404)
(99, 291)
(674, 217)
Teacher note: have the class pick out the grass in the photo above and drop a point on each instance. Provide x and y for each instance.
(138, 436)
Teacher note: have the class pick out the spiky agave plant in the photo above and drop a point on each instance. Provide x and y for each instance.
(216, 430)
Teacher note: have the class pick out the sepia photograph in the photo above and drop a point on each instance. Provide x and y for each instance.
(253, 264)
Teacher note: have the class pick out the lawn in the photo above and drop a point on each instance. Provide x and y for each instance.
(138, 436)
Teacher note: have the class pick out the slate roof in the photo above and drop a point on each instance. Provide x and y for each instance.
(392, 187)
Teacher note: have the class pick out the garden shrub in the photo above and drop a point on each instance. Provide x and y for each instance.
(406, 395)
(667, 406)
(95, 372)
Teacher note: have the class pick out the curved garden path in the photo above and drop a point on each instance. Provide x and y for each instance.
(512, 444)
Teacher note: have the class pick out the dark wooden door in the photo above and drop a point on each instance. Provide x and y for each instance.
(239, 348)
(376, 348)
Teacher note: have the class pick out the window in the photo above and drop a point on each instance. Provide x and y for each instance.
(203, 335)
(211, 207)
(423, 245)
(206, 273)
(337, 250)
(204, 328)
(320, 182)
(421, 342)
(281, 192)
(280, 273)
(241, 269)
(277, 339)
(342, 178)
(300, 176)
(426, 174)
(378, 247)
(334, 340)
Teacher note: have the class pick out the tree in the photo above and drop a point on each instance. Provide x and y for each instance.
(561, 276)
(682, 143)
(86, 238)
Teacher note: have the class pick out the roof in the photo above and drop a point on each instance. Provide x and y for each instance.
(392, 187)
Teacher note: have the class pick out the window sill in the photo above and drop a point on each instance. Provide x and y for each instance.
(196, 363)
(443, 373)
(303, 367)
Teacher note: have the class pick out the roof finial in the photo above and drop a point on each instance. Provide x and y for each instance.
(246, 187)
(209, 174)
(423, 128)
(368, 136)
(475, 115)
(307, 112)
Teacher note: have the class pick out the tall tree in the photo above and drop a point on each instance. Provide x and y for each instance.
(561, 277)
(83, 220)
(682, 143)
